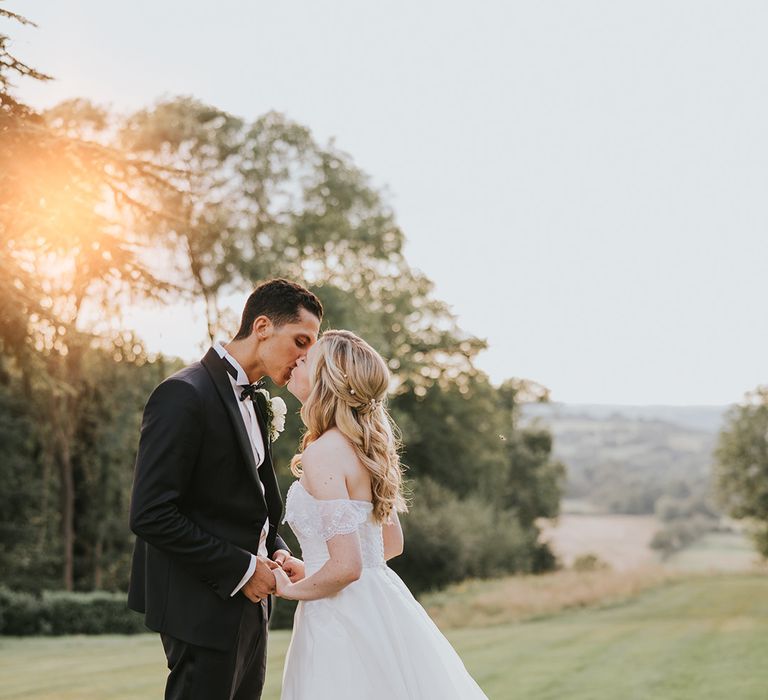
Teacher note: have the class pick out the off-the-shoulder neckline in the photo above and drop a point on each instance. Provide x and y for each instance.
(329, 500)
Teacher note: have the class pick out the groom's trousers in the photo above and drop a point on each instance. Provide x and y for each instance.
(200, 673)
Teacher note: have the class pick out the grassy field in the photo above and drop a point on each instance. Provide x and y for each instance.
(622, 541)
(717, 551)
(484, 603)
(697, 638)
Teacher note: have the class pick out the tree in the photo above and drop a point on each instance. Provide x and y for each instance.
(103, 454)
(16, 120)
(70, 252)
(741, 469)
(201, 146)
(27, 515)
(263, 199)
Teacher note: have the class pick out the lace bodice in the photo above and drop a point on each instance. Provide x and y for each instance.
(314, 521)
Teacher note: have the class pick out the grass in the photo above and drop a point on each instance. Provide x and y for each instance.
(515, 598)
(717, 551)
(696, 638)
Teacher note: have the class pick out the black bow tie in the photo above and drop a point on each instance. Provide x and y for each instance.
(248, 390)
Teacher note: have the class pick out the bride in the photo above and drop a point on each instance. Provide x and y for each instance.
(358, 631)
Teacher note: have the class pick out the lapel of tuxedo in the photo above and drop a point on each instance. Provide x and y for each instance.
(267, 471)
(213, 364)
(260, 411)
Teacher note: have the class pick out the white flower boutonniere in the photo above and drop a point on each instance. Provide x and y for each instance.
(276, 412)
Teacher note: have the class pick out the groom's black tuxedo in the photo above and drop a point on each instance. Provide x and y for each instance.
(197, 508)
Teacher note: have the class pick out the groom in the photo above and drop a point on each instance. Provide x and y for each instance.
(206, 505)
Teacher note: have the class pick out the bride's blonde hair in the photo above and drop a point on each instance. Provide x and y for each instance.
(349, 382)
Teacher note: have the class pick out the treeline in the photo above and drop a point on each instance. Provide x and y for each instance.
(180, 202)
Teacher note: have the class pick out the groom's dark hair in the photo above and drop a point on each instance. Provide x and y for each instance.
(280, 301)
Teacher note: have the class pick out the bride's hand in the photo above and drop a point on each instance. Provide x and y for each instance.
(283, 584)
(294, 568)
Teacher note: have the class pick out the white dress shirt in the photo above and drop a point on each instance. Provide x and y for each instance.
(248, 413)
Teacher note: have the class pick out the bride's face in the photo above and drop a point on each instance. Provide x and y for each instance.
(299, 384)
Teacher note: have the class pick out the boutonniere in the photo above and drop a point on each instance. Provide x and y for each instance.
(276, 411)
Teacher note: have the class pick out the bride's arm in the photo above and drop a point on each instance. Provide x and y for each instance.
(324, 466)
(393, 537)
(342, 568)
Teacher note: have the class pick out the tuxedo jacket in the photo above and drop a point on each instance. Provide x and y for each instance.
(197, 507)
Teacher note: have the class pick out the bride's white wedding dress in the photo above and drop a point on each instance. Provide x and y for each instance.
(372, 640)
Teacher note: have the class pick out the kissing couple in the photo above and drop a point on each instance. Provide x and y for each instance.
(206, 506)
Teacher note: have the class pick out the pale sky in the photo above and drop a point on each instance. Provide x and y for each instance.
(584, 181)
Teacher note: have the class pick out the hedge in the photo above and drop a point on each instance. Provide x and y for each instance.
(58, 612)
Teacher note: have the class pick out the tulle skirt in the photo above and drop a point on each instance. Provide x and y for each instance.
(372, 641)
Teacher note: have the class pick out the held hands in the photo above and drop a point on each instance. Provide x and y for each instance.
(283, 584)
(262, 583)
(291, 570)
(274, 576)
(294, 568)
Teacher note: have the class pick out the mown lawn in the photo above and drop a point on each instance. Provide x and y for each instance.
(694, 639)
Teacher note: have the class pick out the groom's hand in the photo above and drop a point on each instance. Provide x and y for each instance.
(262, 583)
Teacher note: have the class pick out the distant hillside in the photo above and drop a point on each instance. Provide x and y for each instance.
(705, 418)
(623, 458)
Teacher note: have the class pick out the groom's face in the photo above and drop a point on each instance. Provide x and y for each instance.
(281, 347)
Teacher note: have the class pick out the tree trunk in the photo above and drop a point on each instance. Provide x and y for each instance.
(64, 421)
(98, 574)
(66, 476)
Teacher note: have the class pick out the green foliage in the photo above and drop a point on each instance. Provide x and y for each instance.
(57, 613)
(22, 614)
(106, 422)
(103, 456)
(449, 539)
(680, 533)
(534, 481)
(687, 504)
(742, 465)
(451, 433)
(687, 515)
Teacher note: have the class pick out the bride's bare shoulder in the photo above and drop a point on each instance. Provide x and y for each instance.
(327, 463)
(331, 444)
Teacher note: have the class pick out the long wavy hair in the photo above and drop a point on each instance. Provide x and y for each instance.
(349, 382)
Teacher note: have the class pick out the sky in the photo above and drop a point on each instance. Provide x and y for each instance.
(585, 182)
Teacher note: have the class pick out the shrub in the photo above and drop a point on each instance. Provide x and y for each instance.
(589, 562)
(22, 614)
(448, 540)
(58, 613)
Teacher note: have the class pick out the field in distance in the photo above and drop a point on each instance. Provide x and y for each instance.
(622, 542)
